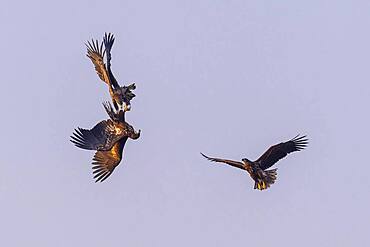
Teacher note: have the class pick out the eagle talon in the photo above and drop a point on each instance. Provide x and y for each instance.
(132, 86)
(108, 137)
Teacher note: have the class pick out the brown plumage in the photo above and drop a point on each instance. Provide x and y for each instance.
(121, 96)
(257, 169)
(104, 162)
(108, 138)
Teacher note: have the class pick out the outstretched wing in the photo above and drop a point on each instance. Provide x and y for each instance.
(104, 162)
(102, 137)
(279, 151)
(96, 54)
(229, 162)
(108, 41)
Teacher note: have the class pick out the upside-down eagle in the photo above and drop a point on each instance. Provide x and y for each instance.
(257, 169)
(108, 138)
(121, 96)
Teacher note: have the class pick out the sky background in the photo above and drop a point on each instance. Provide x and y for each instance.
(227, 78)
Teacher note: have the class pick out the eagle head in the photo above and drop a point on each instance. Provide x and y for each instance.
(246, 161)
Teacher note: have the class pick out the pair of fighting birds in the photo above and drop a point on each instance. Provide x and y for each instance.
(109, 136)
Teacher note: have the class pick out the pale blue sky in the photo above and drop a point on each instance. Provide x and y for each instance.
(228, 78)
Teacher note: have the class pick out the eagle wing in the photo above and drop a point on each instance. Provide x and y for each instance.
(108, 41)
(102, 137)
(96, 55)
(110, 111)
(229, 162)
(279, 151)
(104, 162)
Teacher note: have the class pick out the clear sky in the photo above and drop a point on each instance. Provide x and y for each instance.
(227, 78)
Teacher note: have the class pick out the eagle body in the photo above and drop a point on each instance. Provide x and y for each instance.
(121, 96)
(103, 136)
(263, 179)
(258, 169)
(108, 139)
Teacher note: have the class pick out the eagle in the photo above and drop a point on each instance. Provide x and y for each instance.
(257, 169)
(108, 138)
(121, 96)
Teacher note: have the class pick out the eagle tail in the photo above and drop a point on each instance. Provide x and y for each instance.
(267, 180)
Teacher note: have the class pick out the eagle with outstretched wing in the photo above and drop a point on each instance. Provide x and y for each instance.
(108, 138)
(257, 169)
(121, 96)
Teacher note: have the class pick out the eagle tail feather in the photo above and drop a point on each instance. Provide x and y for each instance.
(267, 180)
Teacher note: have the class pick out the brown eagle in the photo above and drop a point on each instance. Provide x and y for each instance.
(108, 137)
(121, 96)
(257, 169)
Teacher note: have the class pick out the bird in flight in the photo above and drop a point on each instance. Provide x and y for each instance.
(257, 170)
(121, 96)
(108, 138)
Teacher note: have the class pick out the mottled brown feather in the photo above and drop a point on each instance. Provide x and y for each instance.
(96, 55)
(104, 162)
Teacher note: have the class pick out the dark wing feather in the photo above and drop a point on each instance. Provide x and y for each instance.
(229, 162)
(104, 162)
(102, 137)
(96, 55)
(110, 111)
(115, 116)
(108, 41)
(279, 151)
